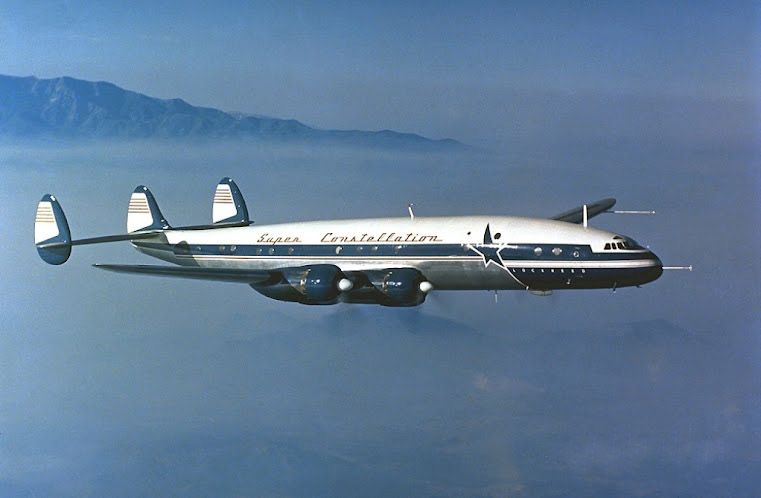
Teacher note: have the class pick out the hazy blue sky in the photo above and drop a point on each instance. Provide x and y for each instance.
(438, 68)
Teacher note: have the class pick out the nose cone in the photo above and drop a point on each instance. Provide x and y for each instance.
(655, 270)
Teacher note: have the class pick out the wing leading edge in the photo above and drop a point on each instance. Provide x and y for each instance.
(576, 215)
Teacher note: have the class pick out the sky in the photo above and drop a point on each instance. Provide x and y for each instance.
(443, 69)
(115, 385)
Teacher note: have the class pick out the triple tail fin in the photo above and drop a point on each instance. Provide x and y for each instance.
(144, 213)
(53, 240)
(229, 206)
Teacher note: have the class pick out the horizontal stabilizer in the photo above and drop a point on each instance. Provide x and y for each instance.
(228, 207)
(101, 240)
(218, 274)
(576, 215)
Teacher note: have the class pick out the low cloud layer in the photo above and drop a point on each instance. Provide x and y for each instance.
(118, 385)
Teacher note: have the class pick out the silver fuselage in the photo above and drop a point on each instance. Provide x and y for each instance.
(453, 253)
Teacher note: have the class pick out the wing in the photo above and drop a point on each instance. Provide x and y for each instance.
(576, 215)
(218, 274)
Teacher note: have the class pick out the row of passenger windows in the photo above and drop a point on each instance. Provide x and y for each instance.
(360, 249)
(272, 249)
(556, 251)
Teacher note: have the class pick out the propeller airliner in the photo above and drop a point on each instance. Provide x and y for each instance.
(386, 261)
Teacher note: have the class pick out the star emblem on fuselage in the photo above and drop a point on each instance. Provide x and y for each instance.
(489, 251)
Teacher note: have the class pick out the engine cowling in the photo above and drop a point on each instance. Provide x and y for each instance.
(399, 286)
(327, 284)
(317, 283)
(314, 284)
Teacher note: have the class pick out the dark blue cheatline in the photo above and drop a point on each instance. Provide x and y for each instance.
(514, 252)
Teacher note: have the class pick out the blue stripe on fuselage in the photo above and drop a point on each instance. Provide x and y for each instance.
(515, 252)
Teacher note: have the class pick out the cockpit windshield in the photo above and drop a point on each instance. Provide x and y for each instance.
(622, 243)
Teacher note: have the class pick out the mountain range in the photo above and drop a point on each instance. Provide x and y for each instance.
(69, 108)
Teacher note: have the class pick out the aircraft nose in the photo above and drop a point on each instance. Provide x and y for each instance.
(657, 268)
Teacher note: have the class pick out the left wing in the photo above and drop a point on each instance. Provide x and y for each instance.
(218, 274)
(576, 215)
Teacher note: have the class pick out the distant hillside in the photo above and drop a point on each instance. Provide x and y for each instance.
(71, 108)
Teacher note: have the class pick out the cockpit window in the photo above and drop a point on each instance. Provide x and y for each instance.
(623, 243)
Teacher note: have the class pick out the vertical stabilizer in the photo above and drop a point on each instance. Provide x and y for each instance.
(228, 206)
(143, 212)
(51, 231)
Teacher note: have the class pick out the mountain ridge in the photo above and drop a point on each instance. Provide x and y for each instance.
(71, 108)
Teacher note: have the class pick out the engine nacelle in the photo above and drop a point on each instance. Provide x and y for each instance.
(317, 283)
(314, 284)
(327, 284)
(399, 286)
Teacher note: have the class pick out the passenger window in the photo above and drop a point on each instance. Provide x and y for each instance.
(538, 251)
(556, 251)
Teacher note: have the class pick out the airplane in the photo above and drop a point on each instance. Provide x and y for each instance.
(386, 261)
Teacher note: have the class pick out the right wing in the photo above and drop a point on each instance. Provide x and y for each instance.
(576, 215)
(218, 274)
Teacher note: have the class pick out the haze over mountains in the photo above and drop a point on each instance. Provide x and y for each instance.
(70, 108)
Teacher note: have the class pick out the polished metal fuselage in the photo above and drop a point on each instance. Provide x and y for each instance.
(453, 253)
